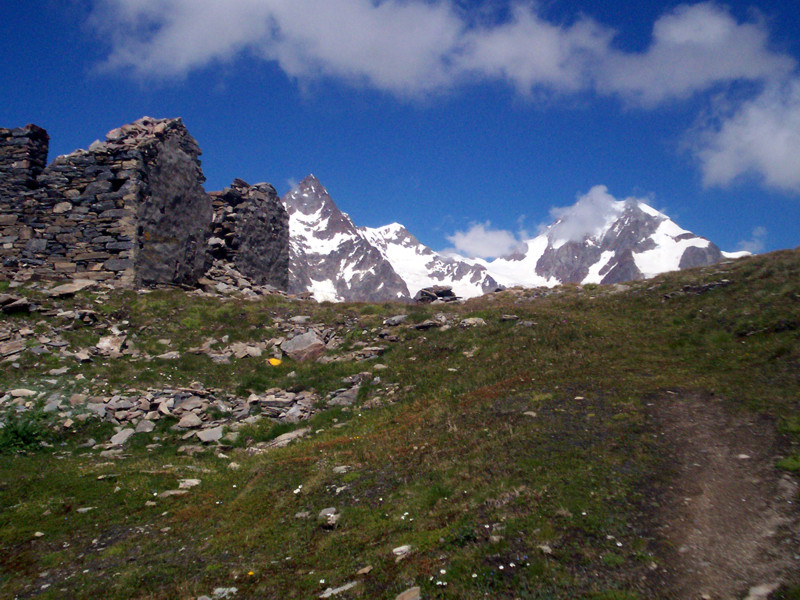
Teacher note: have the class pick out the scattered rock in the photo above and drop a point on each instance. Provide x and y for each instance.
(306, 346)
(329, 517)
(168, 493)
(345, 398)
(330, 592)
(111, 345)
(287, 438)
(70, 289)
(472, 322)
(189, 421)
(762, 592)
(122, 436)
(395, 320)
(210, 435)
(15, 305)
(83, 356)
(414, 593)
(12, 348)
(401, 552)
(145, 426)
(435, 293)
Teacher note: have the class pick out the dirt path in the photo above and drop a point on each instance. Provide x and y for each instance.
(729, 520)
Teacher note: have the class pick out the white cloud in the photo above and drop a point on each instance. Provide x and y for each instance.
(528, 52)
(756, 243)
(481, 241)
(694, 48)
(588, 216)
(761, 137)
(400, 47)
(414, 47)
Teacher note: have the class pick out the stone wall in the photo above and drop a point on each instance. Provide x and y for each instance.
(130, 210)
(23, 156)
(251, 231)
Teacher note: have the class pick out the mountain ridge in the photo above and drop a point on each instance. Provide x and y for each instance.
(598, 240)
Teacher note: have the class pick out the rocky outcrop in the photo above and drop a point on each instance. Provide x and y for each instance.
(131, 210)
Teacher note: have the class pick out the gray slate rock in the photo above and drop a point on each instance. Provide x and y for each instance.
(189, 421)
(119, 438)
(304, 347)
(145, 426)
(210, 435)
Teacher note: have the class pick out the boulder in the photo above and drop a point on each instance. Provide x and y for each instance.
(437, 292)
(306, 346)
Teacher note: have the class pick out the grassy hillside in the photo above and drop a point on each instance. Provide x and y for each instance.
(519, 458)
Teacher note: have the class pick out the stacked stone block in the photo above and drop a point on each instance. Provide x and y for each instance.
(131, 209)
(250, 230)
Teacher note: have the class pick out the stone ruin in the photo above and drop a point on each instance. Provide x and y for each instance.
(132, 211)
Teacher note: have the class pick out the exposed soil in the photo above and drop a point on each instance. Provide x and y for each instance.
(728, 520)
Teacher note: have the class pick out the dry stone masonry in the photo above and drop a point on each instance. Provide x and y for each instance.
(251, 231)
(131, 210)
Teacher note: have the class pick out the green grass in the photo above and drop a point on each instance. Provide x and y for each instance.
(526, 448)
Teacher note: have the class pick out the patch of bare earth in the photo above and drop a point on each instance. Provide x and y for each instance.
(729, 521)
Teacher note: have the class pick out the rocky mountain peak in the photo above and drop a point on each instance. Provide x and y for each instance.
(309, 197)
(311, 208)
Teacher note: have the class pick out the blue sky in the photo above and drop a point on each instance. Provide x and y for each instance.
(466, 121)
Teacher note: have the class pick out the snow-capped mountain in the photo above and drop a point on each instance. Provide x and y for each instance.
(421, 267)
(598, 240)
(335, 260)
(626, 240)
(329, 256)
